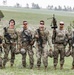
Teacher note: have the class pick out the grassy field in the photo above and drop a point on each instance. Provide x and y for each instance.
(33, 16)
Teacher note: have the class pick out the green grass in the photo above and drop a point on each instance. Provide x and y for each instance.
(17, 69)
(33, 16)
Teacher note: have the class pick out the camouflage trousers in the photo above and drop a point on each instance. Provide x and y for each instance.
(8, 48)
(28, 49)
(59, 49)
(71, 52)
(42, 53)
(72, 56)
(0, 58)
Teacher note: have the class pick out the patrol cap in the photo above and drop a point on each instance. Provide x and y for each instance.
(25, 22)
(61, 23)
(12, 20)
(41, 22)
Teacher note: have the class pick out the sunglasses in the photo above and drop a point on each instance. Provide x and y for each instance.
(42, 23)
(61, 24)
(25, 24)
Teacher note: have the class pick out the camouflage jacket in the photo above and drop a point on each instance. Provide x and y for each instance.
(45, 36)
(60, 36)
(25, 36)
(10, 36)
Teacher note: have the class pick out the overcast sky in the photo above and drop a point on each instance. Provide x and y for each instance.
(42, 3)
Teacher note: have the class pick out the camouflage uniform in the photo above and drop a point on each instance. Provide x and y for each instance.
(1, 51)
(71, 46)
(73, 57)
(1, 16)
(68, 52)
(25, 42)
(42, 50)
(10, 45)
(59, 47)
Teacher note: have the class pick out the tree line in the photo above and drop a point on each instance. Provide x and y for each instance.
(49, 7)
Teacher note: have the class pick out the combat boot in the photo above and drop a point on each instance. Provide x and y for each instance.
(31, 67)
(4, 63)
(0, 62)
(39, 67)
(11, 65)
(72, 68)
(3, 66)
(23, 65)
(45, 67)
(61, 66)
(55, 67)
(0, 66)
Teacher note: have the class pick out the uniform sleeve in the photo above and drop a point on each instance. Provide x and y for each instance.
(31, 33)
(36, 33)
(19, 40)
(19, 37)
(49, 39)
(67, 34)
(3, 36)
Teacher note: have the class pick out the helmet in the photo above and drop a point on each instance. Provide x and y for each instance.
(22, 51)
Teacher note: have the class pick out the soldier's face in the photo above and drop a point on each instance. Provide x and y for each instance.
(24, 25)
(61, 25)
(11, 25)
(41, 25)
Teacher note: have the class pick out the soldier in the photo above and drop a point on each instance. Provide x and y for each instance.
(68, 52)
(1, 51)
(1, 38)
(1, 16)
(71, 46)
(10, 42)
(42, 37)
(26, 45)
(59, 45)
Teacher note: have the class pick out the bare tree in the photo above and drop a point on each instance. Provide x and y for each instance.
(17, 5)
(27, 5)
(35, 6)
(59, 7)
(4, 2)
(48, 7)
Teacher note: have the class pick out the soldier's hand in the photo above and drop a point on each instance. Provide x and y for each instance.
(50, 53)
(36, 36)
(4, 45)
(14, 44)
(50, 49)
(32, 42)
(19, 46)
(1, 44)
